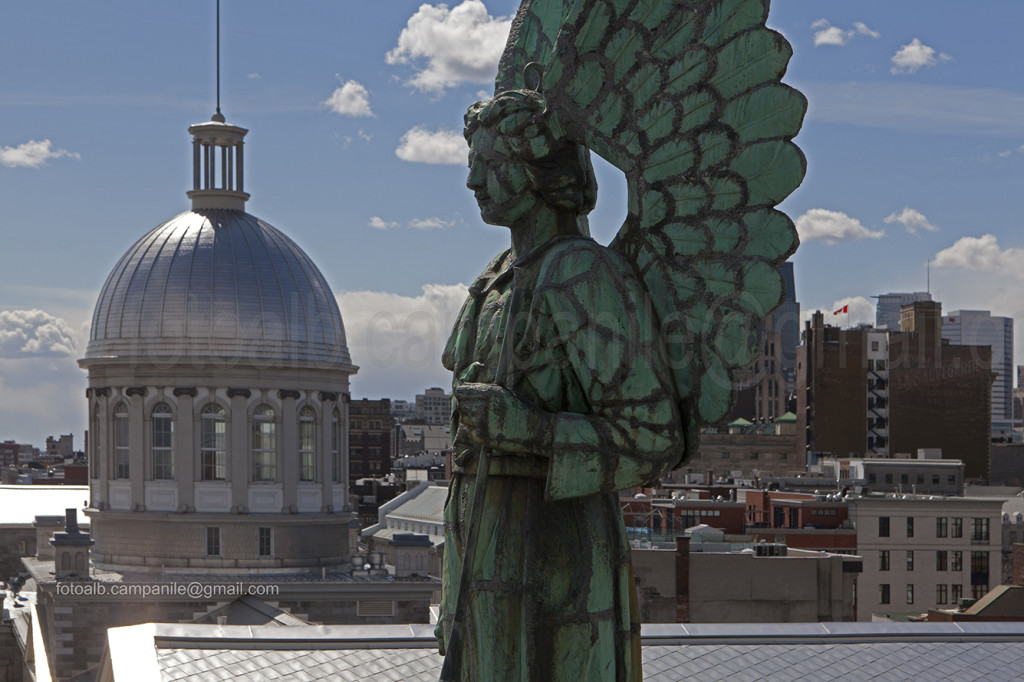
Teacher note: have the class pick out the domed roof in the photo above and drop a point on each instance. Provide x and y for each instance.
(217, 283)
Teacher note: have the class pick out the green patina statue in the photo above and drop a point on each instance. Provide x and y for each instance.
(581, 370)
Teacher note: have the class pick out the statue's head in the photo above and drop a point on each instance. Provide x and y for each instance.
(520, 159)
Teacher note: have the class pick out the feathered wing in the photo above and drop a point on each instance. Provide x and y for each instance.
(685, 97)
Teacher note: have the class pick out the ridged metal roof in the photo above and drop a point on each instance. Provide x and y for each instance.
(217, 283)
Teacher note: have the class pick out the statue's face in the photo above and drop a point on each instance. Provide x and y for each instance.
(499, 181)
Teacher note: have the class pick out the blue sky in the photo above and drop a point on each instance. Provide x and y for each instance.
(914, 139)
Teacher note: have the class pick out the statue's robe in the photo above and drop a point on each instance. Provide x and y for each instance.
(552, 595)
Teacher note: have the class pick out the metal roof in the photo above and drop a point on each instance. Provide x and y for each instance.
(217, 283)
(833, 651)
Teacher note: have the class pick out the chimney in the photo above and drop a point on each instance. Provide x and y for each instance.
(71, 549)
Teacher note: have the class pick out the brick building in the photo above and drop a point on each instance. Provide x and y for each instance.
(369, 438)
(870, 393)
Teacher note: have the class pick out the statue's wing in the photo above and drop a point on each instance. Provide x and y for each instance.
(685, 97)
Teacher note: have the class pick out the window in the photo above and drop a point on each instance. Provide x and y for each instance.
(264, 444)
(336, 446)
(920, 479)
(957, 561)
(979, 530)
(883, 560)
(941, 594)
(904, 479)
(880, 365)
(307, 444)
(910, 560)
(265, 542)
(888, 478)
(979, 574)
(874, 345)
(213, 541)
(941, 560)
(910, 594)
(957, 528)
(956, 593)
(941, 527)
(212, 443)
(951, 479)
(753, 455)
(121, 441)
(935, 479)
(162, 442)
(872, 478)
(883, 594)
(910, 526)
(883, 526)
(725, 455)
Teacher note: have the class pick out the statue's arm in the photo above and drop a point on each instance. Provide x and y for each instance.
(630, 432)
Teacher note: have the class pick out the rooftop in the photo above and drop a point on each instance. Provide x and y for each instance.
(861, 651)
(21, 504)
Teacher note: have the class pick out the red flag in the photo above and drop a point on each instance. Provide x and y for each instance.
(844, 309)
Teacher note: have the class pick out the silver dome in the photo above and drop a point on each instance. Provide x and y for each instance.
(220, 285)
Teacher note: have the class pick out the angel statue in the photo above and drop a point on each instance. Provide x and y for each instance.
(580, 370)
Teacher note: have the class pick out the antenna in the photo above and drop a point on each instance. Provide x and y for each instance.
(217, 116)
(928, 281)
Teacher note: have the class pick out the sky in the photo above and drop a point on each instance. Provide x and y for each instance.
(914, 139)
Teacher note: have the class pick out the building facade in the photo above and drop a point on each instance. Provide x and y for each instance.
(925, 552)
(370, 438)
(981, 328)
(865, 393)
(434, 406)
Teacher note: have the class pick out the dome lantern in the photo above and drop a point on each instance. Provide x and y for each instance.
(217, 165)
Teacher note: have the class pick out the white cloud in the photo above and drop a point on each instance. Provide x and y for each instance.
(254, 76)
(32, 154)
(459, 45)
(420, 145)
(831, 227)
(915, 56)
(397, 340)
(39, 378)
(35, 333)
(859, 310)
(351, 99)
(378, 223)
(827, 34)
(862, 29)
(912, 220)
(430, 223)
(1010, 152)
(982, 254)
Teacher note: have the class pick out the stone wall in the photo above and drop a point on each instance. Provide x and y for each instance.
(11, 664)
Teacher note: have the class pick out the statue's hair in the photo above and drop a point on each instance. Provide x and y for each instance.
(559, 169)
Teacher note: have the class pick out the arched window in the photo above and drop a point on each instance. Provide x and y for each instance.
(79, 562)
(336, 446)
(307, 444)
(121, 441)
(213, 432)
(264, 444)
(65, 561)
(162, 442)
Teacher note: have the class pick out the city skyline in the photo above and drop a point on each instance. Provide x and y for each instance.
(914, 143)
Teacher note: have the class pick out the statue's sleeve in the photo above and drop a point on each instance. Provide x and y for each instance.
(629, 433)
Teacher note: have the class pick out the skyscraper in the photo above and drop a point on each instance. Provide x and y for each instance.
(980, 328)
(887, 314)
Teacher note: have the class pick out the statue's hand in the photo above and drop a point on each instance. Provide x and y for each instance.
(499, 419)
